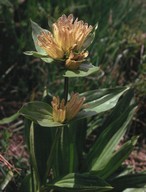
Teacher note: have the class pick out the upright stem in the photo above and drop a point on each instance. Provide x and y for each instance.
(34, 174)
(66, 80)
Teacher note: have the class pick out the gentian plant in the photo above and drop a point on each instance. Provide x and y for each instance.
(57, 127)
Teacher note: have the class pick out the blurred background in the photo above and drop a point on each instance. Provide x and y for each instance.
(118, 48)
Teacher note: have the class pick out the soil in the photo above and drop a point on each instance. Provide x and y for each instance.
(137, 159)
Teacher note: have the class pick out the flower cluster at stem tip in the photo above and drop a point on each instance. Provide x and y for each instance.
(67, 40)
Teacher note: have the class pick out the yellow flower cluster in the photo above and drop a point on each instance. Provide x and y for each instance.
(65, 112)
(66, 41)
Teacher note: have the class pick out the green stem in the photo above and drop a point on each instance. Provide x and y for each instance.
(66, 81)
(34, 173)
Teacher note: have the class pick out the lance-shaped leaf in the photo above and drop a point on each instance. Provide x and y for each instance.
(122, 183)
(9, 119)
(81, 182)
(117, 158)
(143, 189)
(98, 101)
(103, 149)
(26, 184)
(35, 53)
(6, 181)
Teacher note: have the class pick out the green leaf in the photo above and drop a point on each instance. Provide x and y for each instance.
(81, 182)
(26, 184)
(47, 59)
(95, 27)
(102, 150)
(9, 119)
(118, 157)
(119, 108)
(99, 101)
(6, 181)
(117, 129)
(46, 142)
(128, 181)
(40, 53)
(42, 56)
(68, 148)
(80, 128)
(43, 149)
(37, 30)
(143, 189)
(34, 169)
(53, 161)
(71, 145)
(84, 70)
(101, 93)
(35, 53)
(40, 113)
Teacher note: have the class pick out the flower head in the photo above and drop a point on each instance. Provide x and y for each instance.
(66, 41)
(65, 112)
